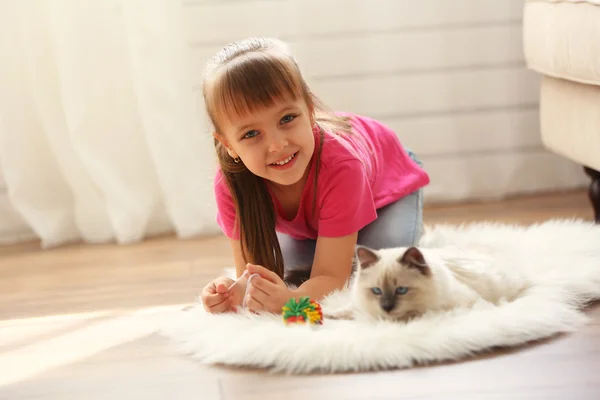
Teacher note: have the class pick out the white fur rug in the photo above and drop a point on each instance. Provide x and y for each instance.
(562, 257)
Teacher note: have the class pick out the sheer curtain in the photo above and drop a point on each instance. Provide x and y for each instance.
(102, 137)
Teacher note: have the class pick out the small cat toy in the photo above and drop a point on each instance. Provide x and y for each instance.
(301, 311)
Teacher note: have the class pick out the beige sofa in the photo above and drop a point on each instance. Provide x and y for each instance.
(561, 41)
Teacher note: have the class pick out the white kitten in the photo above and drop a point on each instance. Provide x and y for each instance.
(403, 283)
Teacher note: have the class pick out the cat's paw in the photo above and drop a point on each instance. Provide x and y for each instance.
(342, 313)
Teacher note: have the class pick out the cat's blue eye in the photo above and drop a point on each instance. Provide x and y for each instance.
(377, 291)
(287, 119)
(401, 290)
(250, 134)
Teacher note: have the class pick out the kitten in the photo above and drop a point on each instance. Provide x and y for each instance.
(393, 284)
(400, 284)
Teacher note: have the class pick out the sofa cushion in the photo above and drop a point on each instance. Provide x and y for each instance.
(561, 38)
(570, 120)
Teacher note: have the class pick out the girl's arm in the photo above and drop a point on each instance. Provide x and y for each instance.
(331, 267)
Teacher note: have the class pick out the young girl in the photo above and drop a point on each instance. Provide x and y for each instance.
(298, 186)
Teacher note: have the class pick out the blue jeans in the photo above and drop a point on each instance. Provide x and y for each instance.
(399, 224)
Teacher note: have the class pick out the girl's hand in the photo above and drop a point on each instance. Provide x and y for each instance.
(266, 292)
(216, 298)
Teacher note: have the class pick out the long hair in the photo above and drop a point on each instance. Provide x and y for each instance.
(240, 79)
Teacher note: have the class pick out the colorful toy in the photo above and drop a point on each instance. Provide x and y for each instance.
(302, 310)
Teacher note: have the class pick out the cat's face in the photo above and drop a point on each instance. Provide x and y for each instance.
(393, 284)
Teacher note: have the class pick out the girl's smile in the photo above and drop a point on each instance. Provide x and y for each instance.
(285, 162)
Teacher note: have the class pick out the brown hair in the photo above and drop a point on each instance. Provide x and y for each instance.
(241, 78)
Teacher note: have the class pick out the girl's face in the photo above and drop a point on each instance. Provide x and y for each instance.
(275, 143)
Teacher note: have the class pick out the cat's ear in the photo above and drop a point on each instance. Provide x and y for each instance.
(413, 258)
(367, 257)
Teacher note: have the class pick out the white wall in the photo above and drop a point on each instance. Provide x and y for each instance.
(448, 76)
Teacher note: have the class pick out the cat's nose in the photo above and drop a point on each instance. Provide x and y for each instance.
(387, 306)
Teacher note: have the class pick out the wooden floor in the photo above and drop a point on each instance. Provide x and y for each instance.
(78, 322)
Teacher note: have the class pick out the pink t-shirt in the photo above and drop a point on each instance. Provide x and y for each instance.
(356, 177)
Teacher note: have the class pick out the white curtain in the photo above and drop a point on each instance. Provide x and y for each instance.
(102, 137)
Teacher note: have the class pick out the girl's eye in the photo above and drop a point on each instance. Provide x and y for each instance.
(376, 291)
(401, 290)
(250, 134)
(287, 119)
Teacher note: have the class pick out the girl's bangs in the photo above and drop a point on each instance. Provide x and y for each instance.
(253, 82)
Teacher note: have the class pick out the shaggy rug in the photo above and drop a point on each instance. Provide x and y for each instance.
(562, 257)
